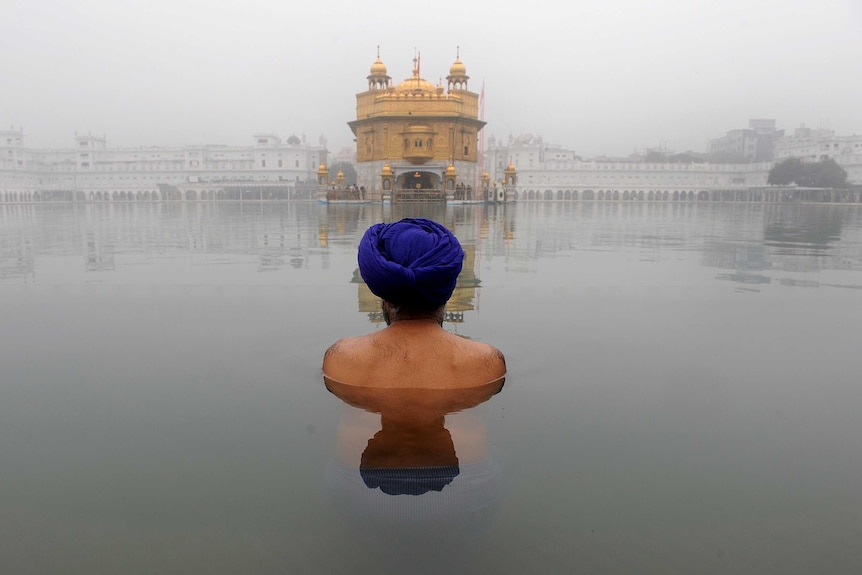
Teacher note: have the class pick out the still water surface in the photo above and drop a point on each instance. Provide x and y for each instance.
(683, 393)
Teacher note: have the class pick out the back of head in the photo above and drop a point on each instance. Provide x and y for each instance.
(414, 262)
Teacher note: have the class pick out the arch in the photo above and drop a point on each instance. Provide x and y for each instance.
(676, 195)
(549, 195)
(559, 194)
(191, 195)
(703, 196)
(616, 195)
(418, 180)
(640, 194)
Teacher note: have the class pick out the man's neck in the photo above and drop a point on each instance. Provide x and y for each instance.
(408, 322)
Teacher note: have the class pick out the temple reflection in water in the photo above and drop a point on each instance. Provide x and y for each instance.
(463, 298)
(751, 246)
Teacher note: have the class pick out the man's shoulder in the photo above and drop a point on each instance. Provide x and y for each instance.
(485, 355)
(478, 346)
(345, 346)
(345, 355)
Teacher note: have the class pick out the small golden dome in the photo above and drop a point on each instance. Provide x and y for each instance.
(322, 168)
(457, 69)
(510, 167)
(378, 68)
(450, 171)
(386, 171)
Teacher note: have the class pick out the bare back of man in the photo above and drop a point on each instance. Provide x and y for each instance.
(416, 353)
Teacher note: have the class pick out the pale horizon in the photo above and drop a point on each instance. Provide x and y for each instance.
(610, 80)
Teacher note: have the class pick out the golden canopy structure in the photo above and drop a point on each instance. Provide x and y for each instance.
(415, 140)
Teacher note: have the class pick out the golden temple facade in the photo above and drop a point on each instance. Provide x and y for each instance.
(415, 140)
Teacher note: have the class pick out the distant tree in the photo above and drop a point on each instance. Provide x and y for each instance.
(823, 174)
(655, 156)
(828, 174)
(346, 168)
(786, 172)
(686, 158)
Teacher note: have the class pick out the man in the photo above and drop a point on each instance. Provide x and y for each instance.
(412, 265)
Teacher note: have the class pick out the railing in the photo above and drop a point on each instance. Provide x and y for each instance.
(345, 194)
(422, 195)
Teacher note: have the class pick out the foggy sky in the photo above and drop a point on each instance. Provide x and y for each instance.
(598, 77)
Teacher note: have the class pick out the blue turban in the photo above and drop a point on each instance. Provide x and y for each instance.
(414, 262)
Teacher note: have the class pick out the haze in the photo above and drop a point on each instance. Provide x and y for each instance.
(600, 78)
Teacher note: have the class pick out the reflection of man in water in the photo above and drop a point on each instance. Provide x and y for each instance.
(411, 452)
(412, 265)
(409, 456)
(414, 464)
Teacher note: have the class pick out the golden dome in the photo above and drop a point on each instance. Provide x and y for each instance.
(457, 69)
(386, 171)
(415, 84)
(322, 168)
(450, 171)
(378, 68)
(510, 167)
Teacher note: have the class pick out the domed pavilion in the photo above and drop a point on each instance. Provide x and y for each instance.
(416, 141)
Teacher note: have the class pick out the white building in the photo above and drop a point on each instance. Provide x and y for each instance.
(551, 172)
(548, 171)
(92, 170)
(753, 144)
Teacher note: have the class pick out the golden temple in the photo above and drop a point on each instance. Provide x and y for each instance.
(415, 141)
